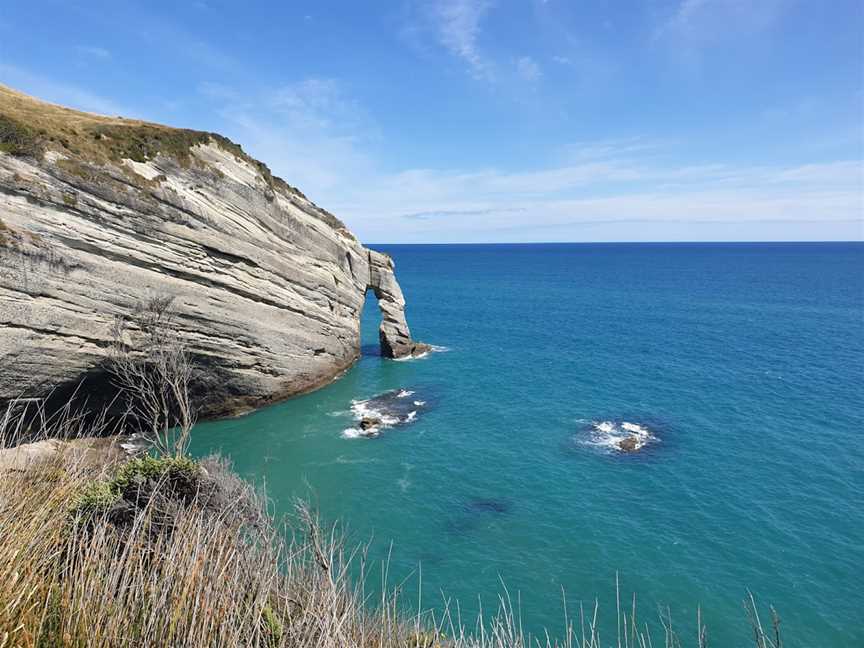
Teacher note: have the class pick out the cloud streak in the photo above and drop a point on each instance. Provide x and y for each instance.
(96, 52)
(457, 23)
(528, 68)
(709, 22)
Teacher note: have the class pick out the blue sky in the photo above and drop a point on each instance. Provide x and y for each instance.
(494, 120)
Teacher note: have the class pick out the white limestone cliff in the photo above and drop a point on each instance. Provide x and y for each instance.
(268, 288)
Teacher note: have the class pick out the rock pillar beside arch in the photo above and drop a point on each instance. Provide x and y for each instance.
(394, 334)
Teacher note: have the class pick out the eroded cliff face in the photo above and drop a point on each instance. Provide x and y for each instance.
(99, 215)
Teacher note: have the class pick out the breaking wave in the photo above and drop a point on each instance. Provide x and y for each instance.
(433, 348)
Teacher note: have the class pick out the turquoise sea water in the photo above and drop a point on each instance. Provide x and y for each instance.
(745, 361)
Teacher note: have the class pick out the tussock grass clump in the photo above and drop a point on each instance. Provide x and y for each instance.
(17, 139)
(131, 477)
(143, 142)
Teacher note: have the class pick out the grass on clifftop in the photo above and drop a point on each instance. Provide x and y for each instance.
(29, 127)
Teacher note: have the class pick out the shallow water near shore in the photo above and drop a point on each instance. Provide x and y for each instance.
(743, 363)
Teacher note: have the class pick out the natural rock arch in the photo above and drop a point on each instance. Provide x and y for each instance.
(393, 333)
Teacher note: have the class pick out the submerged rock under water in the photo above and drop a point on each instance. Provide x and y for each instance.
(393, 408)
(476, 512)
(488, 505)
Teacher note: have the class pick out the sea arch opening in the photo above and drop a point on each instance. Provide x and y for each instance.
(371, 319)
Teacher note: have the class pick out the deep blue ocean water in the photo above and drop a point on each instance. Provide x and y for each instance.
(745, 361)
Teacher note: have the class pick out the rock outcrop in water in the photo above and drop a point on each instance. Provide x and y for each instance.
(99, 215)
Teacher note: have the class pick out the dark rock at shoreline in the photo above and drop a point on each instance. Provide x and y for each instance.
(630, 444)
(369, 422)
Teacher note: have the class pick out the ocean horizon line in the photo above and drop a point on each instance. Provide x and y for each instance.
(641, 243)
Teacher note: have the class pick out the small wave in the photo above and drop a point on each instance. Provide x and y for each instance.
(407, 358)
(433, 348)
(341, 459)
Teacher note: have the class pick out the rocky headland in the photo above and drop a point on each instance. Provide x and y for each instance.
(100, 214)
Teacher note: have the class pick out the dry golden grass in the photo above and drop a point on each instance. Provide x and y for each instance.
(29, 127)
(95, 138)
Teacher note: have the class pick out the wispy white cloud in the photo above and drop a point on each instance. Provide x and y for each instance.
(459, 212)
(457, 26)
(319, 103)
(706, 22)
(311, 132)
(93, 51)
(528, 69)
(457, 23)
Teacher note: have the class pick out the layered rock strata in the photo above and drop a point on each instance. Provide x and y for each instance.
(100, 215)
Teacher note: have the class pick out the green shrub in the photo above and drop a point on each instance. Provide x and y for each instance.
(100, 496)
(273, 628)
(148, 467)
(145, 141)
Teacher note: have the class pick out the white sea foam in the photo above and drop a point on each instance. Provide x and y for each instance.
(609, 435)
(433, 348)
(412, 357)
(357, 433)
(635, 428)
(383, 411)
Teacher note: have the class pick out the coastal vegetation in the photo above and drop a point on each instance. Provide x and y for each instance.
(29, 128)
